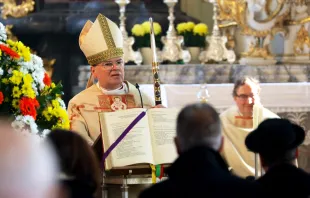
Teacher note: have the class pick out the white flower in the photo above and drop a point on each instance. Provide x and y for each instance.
(35, 63)
(38, 76)
(3, 35)
(34, 87)
(45, 132)
(24, 70)
(19, 118)
(28, 119)
(34, 128)
(18, 125)
(1, 71)
(10, 71)
(62, 103)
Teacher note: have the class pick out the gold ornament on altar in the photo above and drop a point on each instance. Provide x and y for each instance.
(47, 63)
(12, 8)
(302, 41)
(259, 21)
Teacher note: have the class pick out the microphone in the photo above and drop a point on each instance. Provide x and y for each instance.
(137, 86)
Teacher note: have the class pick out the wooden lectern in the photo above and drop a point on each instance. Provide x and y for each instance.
(123, 176)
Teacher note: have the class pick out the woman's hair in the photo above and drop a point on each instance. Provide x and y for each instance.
(77, 162)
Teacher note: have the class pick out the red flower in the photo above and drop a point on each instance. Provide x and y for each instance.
(47, 80)
(28, 106)
(1, 97)
(9, 51)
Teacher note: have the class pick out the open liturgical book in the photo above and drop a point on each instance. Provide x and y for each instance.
(150, 141)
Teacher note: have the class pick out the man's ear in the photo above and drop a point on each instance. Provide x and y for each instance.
(177, 144)
(222, 145)
(92, 70)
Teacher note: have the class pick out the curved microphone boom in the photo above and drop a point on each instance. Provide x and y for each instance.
(157, 92)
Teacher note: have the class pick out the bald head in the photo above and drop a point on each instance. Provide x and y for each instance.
(198, 125)
(28, 168)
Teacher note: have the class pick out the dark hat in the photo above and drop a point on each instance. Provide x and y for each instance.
(275, 136)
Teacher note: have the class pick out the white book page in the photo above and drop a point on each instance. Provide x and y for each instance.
(136, 146)
(163, 130)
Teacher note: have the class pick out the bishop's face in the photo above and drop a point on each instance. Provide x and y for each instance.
(110, 73)
(247, 95)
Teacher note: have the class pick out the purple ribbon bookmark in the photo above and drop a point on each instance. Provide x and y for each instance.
(121, 137)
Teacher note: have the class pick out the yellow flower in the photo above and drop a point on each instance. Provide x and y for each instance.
(15, 103)
(5, 81)
(181, 27)
(21, 49)
(201, 29)
(28, 79)
(157, 28)
(48, 113)
(63, 119)
(28, 91)
(189, 26)
(55, 104)
(137, 30)
(53, 85)
(16, 92)
(17, 77)
(147, 27)
(0, 52)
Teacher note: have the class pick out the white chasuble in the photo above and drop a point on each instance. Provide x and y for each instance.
(235, 129)
(83, 109)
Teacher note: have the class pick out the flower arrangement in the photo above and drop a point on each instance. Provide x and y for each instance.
(27, 94)
(194, 34)
(141, 33)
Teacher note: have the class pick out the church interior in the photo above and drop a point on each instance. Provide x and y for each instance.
(266, 39)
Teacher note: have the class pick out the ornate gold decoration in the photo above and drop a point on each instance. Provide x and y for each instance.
(106, 31)
(47, 63)
(256, 51)
(105, 55)
(272, 15)
(10, 8)
(9, 33)
(112, 51)
(236, 11)
(299, 22)
(301, 40)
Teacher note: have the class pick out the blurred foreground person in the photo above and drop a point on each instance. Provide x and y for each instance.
(28, 168)
(80, 173)
(199, 170)
(276, 142)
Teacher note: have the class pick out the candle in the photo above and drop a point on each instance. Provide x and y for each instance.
(153, 44)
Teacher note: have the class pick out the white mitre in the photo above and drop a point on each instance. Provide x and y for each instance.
(101, 40)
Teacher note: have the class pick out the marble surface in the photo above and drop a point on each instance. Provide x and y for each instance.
(209, 73)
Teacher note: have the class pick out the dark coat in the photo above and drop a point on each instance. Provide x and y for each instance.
(78, 189)
(201, 172)
(286, 181)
